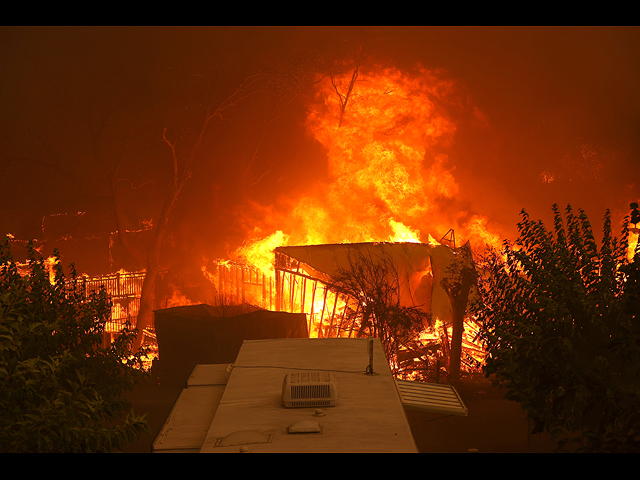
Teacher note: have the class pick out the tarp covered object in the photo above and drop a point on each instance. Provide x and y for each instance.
(199, 334)
(420, 267)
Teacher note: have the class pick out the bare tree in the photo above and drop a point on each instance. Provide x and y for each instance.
(287, 84)
(344, 91)
(375, 285)
(182, 166)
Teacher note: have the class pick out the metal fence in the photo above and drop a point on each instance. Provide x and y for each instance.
(288, 289)
(238, 283)
(124, 288)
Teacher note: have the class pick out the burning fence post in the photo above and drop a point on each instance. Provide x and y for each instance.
(241, 283)
(278, 291)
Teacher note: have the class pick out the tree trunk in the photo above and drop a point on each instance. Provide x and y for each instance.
(459, 306)
(456, 344)
(147, 300)
(147, 295)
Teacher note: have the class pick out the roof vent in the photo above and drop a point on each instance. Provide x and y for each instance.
(309, 389)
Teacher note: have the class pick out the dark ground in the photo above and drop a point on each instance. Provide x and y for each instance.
(494, 425)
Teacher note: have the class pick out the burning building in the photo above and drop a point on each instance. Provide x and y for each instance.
(383, 148)
(386, 134)
(306, 279)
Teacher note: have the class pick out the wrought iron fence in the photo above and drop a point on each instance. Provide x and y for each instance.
(124, 288)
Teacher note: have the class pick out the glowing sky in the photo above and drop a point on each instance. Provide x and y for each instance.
(550, 115)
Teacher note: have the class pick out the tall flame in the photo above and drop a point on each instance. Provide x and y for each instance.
(388, 173)
(389, 180)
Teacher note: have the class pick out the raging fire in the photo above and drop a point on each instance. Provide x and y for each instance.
(388, 173)
(389, 179)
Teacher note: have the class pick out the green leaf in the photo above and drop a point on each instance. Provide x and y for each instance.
(59, 387)
(559, 322)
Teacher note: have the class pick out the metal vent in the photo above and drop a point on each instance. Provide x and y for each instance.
(309, 389)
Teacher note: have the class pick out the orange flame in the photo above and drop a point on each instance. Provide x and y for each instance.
(50, 265)
(388, 175)
(633, 242)
(260, 252)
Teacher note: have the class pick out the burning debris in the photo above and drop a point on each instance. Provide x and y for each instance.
(313, 280)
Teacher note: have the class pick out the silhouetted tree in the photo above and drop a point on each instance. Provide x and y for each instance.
(561, 327)
(60, 389)
(343, 89)
(375, 286)
(281, 86)
(461, 277)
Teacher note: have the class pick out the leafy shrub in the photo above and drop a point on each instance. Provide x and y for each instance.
(61, 390)
(561, 325)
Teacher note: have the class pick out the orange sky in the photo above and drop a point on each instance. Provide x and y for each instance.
(516, 118)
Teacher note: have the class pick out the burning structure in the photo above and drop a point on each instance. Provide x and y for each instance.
(306, 280)
(385, 133)
(335, 286)
(382, 149)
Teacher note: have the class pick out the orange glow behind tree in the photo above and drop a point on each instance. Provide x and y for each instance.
(386, 163)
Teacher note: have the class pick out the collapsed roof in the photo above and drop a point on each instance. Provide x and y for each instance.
(421, 268)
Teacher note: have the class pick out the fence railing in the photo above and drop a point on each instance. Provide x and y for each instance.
(124, 288)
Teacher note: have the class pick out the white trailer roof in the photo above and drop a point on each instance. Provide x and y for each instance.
(186, 426)
(239, 407)
(369, 416)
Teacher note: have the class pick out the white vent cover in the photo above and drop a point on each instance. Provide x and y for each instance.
(310, 389)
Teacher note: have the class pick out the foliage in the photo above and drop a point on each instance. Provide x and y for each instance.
(561, 327)
(60, 390)
(375, 285)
